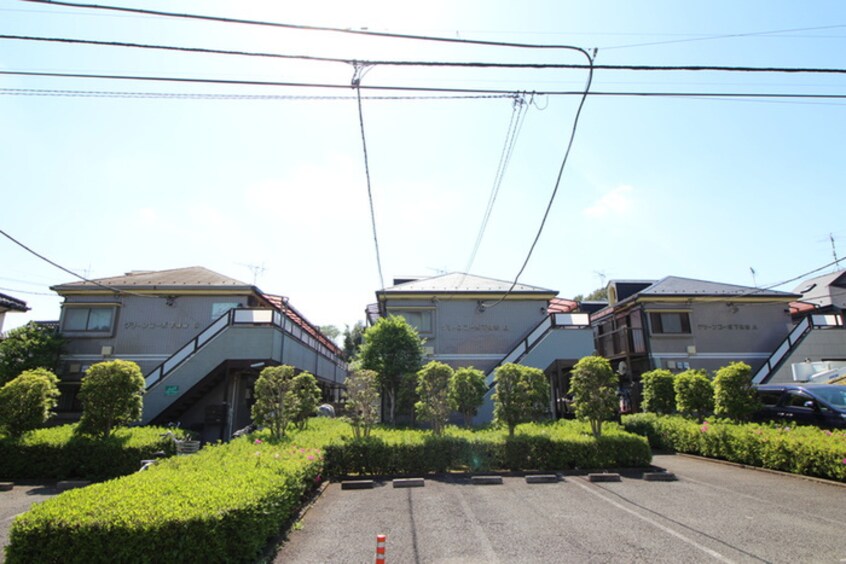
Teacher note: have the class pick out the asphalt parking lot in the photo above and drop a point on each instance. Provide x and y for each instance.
(714, 512)
(19, 500)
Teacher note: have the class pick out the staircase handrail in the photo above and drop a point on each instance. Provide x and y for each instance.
(791, 341)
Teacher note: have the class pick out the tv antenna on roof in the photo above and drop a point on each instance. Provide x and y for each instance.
(256, 269)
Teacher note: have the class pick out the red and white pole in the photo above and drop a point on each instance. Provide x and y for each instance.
(380, 549)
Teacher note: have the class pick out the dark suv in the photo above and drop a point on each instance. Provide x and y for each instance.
(823, 405)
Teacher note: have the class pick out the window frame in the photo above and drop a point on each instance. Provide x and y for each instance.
(87, 330)
(402, 311)
(658, 328)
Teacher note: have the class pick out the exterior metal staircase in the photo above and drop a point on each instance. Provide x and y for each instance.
(793, 340)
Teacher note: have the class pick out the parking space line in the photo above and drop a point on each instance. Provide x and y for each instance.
(481, 537)
(668, 530)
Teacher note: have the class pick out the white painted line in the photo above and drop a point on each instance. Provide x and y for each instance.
(668, 530)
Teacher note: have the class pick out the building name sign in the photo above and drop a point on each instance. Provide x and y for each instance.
(730, 327)
(482, 327)
(160, 325)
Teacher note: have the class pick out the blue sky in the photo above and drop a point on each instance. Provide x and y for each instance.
(702, 187)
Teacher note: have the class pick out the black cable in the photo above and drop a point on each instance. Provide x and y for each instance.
(71, 272)
(554, 191)
(480, 91)
(456, 64)
(221, 19)
(357, 86)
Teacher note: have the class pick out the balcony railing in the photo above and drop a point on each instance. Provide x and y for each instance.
(621, 342)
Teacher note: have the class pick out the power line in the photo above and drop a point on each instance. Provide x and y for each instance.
(209, 96)
(518, 114)
(393, 88)
(555, 189)
(71, 272)
(356, 82)
(456, 64)
(221, 19)
(28, 292)
(722, 36)
(475, 91)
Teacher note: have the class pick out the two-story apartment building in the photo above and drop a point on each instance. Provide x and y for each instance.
(469, 320)
(679, 323)
(200, 338)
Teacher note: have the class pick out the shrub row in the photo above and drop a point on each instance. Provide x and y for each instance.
(56, 453)
(563, 445)
(801, 449)
(226, 502)
(222, 504)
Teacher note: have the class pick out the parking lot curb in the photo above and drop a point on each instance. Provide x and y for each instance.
(659, 477)
(6, 486)
(486, 480)
(760, 469)
(357, 485)
(66, 485)
(409, 482)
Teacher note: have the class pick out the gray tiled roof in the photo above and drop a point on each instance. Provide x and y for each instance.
(191, 277)
(465, 283)
(8, 303)
(677, 286)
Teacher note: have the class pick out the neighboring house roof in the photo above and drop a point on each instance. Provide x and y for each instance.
(678, 287)
(458, 282)
(8, 303)
(561, 305)
(825, 290)
(194, 277)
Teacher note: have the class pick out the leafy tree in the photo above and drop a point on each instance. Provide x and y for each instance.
(307, 394)
(391, 348)
(276, 403)
(353, 337)
(598, 295)
(362, 405)
(694, 393)
(522, 395)
(734, 396)
(467, 390)
(407, 396)
(432, 387)
(330, 331)
(659, 395)
(593, 385)
(112, 395)
(27, 347)
(26, 402)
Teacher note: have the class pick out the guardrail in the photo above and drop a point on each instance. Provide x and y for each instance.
(234, 317)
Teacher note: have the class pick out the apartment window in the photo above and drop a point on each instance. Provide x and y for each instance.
(670, 322)
(88, 319)
(419, 319)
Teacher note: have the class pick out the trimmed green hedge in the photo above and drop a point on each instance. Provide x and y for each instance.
(226, 502)
(56, 453)
(564, 445)
(222, 504)
(798, 449)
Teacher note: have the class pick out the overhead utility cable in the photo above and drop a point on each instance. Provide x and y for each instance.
(481, 91)
(518, 114)
(356, 83)
(457, 64)
(555, 189)
(71, 272)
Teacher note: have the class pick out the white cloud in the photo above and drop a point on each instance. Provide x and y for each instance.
(616, 203)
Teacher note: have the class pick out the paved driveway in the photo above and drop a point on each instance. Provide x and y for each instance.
(714, 512)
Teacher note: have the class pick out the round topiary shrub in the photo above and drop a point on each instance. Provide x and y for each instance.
(26, 402)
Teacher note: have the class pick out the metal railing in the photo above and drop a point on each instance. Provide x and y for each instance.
(549, 323)
(796, 335)
(237, 316)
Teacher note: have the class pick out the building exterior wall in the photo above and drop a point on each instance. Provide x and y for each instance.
(145, 330)
(720, 332)
(820, 345)
(462, 335)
